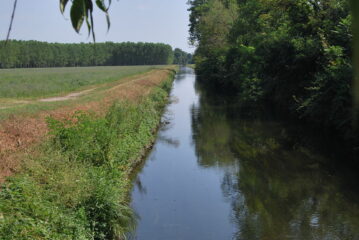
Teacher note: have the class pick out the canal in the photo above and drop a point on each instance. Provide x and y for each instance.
(215, 174)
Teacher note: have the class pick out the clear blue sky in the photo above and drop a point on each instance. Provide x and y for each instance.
(131, 20)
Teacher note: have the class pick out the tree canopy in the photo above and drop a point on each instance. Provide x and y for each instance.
(181, 57)
(293, 55)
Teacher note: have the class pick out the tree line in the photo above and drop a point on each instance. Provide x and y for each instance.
(181, 57)
(27, 54)
(294, 55)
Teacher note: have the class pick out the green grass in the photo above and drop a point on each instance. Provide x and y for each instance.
(43, 82)
(33, 108)
(9, 106)
(76, 186)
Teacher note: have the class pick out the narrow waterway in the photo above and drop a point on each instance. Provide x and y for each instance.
(213, 174)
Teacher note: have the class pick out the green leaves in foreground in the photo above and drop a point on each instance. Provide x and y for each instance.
(82, 10)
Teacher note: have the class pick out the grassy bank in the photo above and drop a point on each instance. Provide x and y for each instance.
(74, 186)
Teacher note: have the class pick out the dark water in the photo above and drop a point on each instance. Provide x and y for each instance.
(215, 175)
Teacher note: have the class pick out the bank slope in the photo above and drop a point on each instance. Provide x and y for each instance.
(74, 185)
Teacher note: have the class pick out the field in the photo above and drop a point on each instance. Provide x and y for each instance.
(28, 91)
(23, 121)
(44, 82)
(65, 163)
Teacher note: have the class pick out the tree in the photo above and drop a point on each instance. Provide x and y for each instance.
(355, 10)
(181, 57)
(41, 54)
(294, 55)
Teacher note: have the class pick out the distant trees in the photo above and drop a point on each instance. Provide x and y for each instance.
(181, 57)
(26, 54)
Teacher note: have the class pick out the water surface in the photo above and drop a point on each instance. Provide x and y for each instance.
(214, 174)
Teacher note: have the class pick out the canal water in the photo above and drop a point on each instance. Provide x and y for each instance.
(215, 174)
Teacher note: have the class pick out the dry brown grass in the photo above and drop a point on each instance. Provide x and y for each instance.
(18, 133)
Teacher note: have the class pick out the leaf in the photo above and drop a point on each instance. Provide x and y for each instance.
(109, 4)
(101, 5)
(78, 13)
(88, 12)
(81, 11)
(108, 21)
(63, 5)
(89, 6)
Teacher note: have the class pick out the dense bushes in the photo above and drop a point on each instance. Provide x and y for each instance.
(294, 55)
(41, 54)
(76, 186)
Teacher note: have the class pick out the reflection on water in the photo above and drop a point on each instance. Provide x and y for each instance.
(217, 175)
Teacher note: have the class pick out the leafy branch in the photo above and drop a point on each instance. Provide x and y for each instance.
(82, 10)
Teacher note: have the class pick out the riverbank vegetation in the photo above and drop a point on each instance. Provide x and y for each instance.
(74, 185)
(181, 57)
(294, 56)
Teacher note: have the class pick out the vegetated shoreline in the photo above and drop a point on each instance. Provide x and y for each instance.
(265, 54)
(27, 127)
(76, 185)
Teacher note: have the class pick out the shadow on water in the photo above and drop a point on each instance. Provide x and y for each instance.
(215, 173)
(279, 188)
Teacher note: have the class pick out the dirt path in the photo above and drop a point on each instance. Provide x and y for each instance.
(67, 97)
(73, 95)
(18, 133)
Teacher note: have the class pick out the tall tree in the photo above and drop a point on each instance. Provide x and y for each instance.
(294, 55)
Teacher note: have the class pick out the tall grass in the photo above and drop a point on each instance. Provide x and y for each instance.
(76, 186)
(41, 82)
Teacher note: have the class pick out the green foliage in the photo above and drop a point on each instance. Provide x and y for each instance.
(36, 217)
(355, 12)
(109, 218)
(181, 57)
(83, 138)
(294, 55)
(210, 24)
(28, 54)
(83, 10)
(76, 188)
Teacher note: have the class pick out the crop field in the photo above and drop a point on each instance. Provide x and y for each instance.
(44, 82)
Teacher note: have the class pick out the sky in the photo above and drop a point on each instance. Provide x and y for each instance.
(163, 21)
